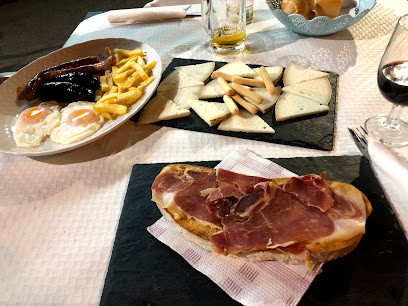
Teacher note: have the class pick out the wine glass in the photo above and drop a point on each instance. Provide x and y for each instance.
(392, 81)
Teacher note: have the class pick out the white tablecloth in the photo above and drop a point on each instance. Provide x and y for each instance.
(59, 214)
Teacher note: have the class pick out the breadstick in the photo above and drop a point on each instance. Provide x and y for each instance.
(247, 93)
(267, 80)
(225, 87)
(231, 105)
(248, 106)
(217, 74)
(250, 82)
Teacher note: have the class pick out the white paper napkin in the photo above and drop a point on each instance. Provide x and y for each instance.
(392, 172)
(143, 15)
(250, 283)
(156, 3)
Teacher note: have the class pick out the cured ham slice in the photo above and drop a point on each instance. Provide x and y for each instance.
(233, 184)
(312, 189)
(179, 189)
(284, 219)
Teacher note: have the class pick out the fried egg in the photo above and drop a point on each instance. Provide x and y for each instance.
(78, 121)
(34, 124)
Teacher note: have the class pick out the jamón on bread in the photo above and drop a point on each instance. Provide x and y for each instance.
(299, 220)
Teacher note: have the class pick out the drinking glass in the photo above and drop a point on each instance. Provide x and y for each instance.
(392, 78)
(225, 21)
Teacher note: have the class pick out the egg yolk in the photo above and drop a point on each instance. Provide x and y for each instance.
(81, 117)
(34, 115)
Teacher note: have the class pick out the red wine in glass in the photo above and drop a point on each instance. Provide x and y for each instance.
(392, 78)
(393, 82)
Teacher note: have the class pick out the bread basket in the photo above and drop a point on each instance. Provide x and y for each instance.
(351, 12)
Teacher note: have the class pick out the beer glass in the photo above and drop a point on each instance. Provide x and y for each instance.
(225, 21)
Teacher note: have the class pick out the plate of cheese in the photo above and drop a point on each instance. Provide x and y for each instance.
(297, 109)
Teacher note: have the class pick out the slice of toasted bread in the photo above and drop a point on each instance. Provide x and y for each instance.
(317, 252)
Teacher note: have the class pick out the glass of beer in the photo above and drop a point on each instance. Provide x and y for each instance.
(225, 21)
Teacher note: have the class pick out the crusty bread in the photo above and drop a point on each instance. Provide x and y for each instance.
(199, 232)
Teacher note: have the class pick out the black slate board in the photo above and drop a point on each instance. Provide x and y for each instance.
(144, 271)
(315, 131)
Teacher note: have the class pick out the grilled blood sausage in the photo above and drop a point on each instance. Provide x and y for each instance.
(65, 92)
(38, 80)
(84, 79)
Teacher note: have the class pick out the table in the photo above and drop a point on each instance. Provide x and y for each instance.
(59, 214)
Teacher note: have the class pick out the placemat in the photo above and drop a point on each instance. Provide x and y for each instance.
(314, 131)
(143, 271)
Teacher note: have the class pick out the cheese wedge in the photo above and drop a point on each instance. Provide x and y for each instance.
(237, 68)
(211, 112)
(329, 8)
(291, 106)
(178, 79)
(181, 96)
(245, 122)
(160, 108)
(268, 100)
(275, 72)
(296, 74)
(200, 72)
(318, 90)
(212, 90)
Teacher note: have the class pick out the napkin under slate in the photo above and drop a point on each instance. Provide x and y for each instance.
(314, 131)
(143, 271)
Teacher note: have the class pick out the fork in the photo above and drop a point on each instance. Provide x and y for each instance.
(360, 135)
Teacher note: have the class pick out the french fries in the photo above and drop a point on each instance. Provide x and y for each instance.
(124, 85)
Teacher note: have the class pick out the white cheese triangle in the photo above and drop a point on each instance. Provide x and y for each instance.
(296, 74)
(178, 79)
(160, 108)
(200, 72)
(291, 106)
(212, 90)
(181, 96)
(245, 122)
(210, 112)
(268, 100)
(275, 72)
(237, 68)
(318, 90)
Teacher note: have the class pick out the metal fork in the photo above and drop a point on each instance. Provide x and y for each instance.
(359, 135)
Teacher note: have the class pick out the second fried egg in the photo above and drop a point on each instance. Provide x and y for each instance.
(78, 121)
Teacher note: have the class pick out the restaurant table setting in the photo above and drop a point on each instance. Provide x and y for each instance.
(78, 227)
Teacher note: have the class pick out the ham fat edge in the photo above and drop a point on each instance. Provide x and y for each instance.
(296, 220)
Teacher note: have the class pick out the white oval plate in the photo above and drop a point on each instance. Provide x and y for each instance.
(11, 107)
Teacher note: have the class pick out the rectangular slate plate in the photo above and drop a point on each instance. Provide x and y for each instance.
(144, 271)
(315, 131)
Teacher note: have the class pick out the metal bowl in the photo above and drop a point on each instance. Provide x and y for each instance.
(351, 12)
